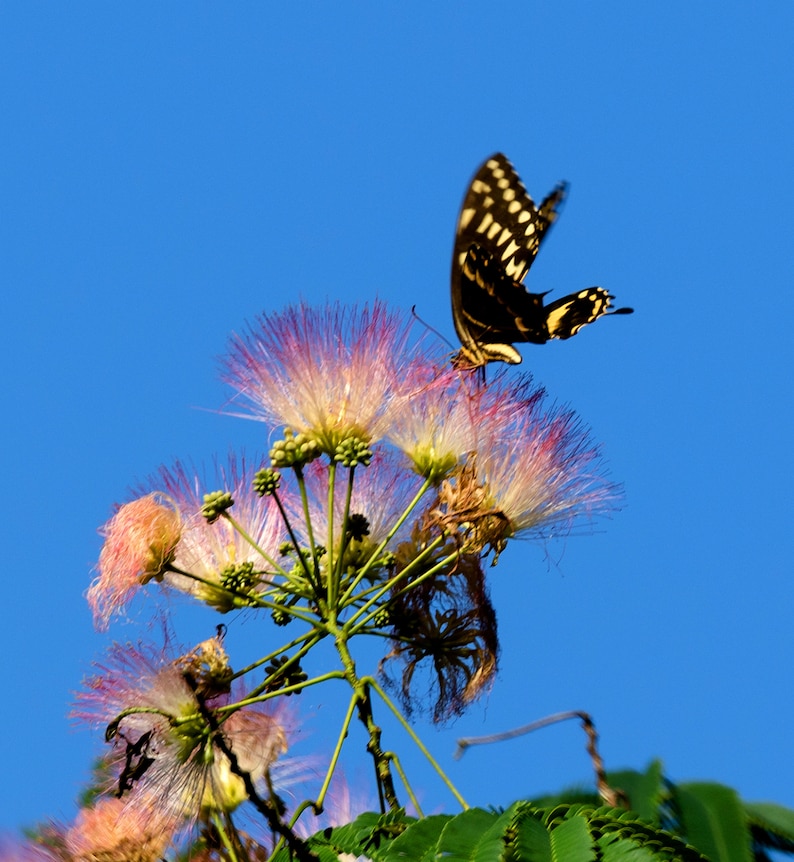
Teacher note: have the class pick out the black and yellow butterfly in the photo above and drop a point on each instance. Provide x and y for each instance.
(499, 233)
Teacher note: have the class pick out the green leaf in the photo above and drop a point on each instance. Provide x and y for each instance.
(623, 850)
(572, 841)
(326, 854)
(461, 837)
(644, 790)
(775, 823)
(491, 847)
(348, 838)
(714, 820)
(532, 841)
(323, 852)
(418, 842)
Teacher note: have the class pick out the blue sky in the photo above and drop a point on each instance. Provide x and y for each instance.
(169, 171)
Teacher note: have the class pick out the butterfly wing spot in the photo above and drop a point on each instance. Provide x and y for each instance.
(511, 249)
(512, 270)
(465, 218)
(487, 221)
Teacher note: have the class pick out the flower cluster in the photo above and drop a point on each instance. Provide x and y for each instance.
(396, 478)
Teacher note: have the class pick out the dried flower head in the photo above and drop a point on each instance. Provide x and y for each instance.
(444, 629)
(535, 472)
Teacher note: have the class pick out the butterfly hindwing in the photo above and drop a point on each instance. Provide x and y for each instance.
(566, 316)
(500, 230)
(495, 307)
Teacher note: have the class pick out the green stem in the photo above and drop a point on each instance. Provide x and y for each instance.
(308, 641)
(293, 538)
(335, 572)
(336, 753)
(368, 680)
(288, 689)
(316, 583)
(329, 541)
(389, 536)
(248, 538)
(363, 704)
(355, 623)
(224, 836)
(404, 778)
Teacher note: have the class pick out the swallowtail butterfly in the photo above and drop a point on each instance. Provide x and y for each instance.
(499, 233)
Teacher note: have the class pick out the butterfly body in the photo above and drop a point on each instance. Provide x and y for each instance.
(500, 230)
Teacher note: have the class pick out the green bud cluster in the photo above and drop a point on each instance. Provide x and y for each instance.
(280, 617)
(266, 481)
(294, 449)
(242, 580)
(215, 504)
(353, 451)
(382, 618)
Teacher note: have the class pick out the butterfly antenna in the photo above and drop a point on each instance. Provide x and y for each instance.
(431, 328)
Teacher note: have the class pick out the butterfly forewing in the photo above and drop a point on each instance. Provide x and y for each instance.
(499, 215)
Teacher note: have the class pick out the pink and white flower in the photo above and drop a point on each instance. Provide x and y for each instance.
(538, 465)
(331, 373)
(208, 550)
(164, 719)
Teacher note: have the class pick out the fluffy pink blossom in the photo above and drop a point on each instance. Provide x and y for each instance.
(539, 467)
(166, 757)
(140, 541)
(113, 831)
(331, 373)
(381, 493)
(437, 426)
(209, 551)
(15, 849)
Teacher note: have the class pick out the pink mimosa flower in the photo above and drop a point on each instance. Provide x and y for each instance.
(532, 472)
(212, 551)
(330, 373)
(14, 849)
(437, 426)
(164, 719)
(140, 541)
(540, 469)
(113, 831)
